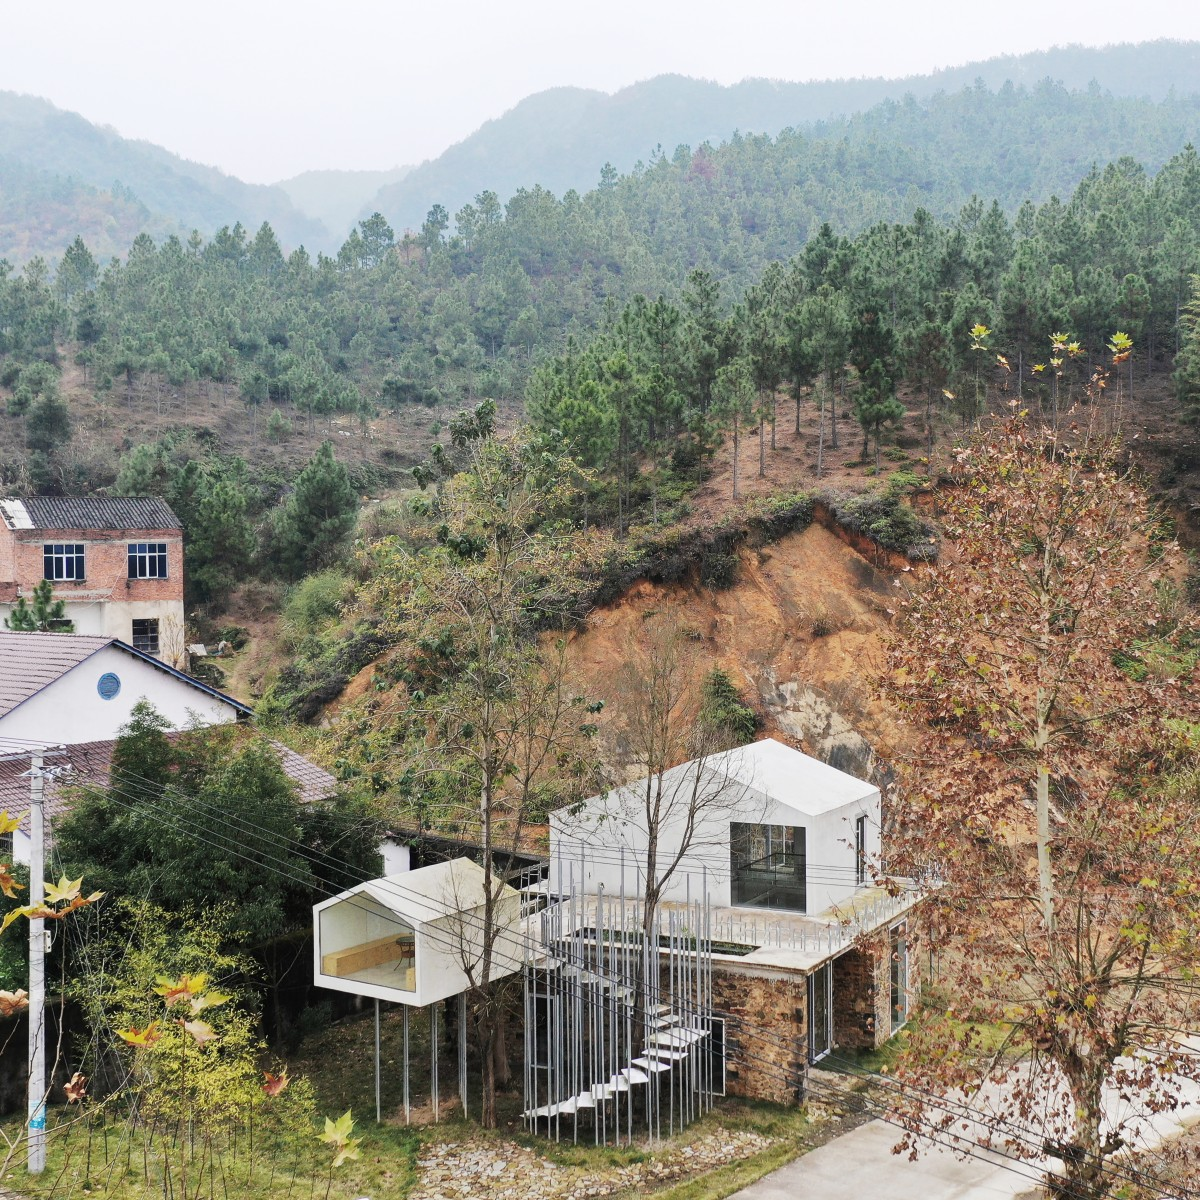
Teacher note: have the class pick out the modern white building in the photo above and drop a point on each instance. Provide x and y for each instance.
(415, 938)
(762, 826)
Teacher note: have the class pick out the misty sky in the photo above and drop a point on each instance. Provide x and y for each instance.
(265, 90)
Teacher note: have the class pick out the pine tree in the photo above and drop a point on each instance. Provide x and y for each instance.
(318, 517)
(44, 615)
(1187, 362)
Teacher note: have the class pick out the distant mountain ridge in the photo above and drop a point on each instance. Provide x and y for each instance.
(336, 198)
(59, 154)
(561, 138)
(61, 176)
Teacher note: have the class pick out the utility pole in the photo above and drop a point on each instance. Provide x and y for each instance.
(37, 971)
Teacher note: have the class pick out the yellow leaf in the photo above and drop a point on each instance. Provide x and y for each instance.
(207, 1000)
(65, 890)
(9, 824)
(141, 1037)
(349, 1150)
(12, 915)
(202, 1031)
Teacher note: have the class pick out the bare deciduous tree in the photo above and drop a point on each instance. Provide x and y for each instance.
(1054, 794)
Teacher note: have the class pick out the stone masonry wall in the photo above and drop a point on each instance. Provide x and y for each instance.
(766, 1033)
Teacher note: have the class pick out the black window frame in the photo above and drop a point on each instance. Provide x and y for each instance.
(860, 851)
(900, 1000)
(59, 555)
(149, 641)
(768, 866)
(146, 555)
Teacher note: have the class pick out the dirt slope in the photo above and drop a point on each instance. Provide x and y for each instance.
(800, 632)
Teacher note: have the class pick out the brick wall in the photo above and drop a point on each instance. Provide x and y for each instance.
(106, 562)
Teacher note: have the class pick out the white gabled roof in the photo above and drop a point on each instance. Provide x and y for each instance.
(782, 774)
(793, 778)
(426, 894)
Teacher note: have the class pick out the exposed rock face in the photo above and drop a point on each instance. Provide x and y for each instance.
(800, 631)
(808, 717)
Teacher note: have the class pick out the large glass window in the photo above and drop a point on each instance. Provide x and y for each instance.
(363, 941)
(767, 865)
(147, 560)
(62, 560)
(860, 851)
(899, 949)
(820, 1012)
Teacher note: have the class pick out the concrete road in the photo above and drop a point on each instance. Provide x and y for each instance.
(861, 1163)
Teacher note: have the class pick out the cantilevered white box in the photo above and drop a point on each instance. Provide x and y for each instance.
(416, 937)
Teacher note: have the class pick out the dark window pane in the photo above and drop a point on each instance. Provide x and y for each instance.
(767, 864)
(145, 636)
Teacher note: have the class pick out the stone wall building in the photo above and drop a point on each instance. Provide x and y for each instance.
(810, 957)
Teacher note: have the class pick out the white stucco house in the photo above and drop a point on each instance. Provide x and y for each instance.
(762, 826)
(71, 688)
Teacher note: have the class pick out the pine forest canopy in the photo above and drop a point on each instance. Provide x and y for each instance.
(57, 170)
(661, 311)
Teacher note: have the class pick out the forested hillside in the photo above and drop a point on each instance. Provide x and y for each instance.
(61, 176)
(561, 138)
(652, 323)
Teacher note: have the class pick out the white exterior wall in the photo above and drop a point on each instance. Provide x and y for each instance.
(71, 710)
(395, 855)
(596, 836)
(114, 618)
(444, 945)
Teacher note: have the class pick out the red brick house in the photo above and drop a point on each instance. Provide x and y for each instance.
(117, 561)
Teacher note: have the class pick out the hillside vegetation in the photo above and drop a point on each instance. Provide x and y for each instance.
(61, 176)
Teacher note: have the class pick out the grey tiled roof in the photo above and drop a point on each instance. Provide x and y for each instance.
(32, 661)
(90, 764)
(88, 512)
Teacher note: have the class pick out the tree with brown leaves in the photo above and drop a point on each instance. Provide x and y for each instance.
(1051, 807)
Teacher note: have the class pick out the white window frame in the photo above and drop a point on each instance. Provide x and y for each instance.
(56, 556)
(143, 555)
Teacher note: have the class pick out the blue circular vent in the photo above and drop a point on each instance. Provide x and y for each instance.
(108, 685)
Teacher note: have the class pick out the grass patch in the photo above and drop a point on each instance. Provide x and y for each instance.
(119, 1160)
(790, 1128)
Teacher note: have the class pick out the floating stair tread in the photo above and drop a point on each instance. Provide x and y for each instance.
(652, 1064)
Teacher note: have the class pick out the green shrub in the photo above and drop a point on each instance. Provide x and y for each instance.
(719, 569)
(278, 427)
(886, 519)
(314, 602)
(721, 705)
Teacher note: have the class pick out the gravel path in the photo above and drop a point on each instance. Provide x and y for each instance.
(506, 1171)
